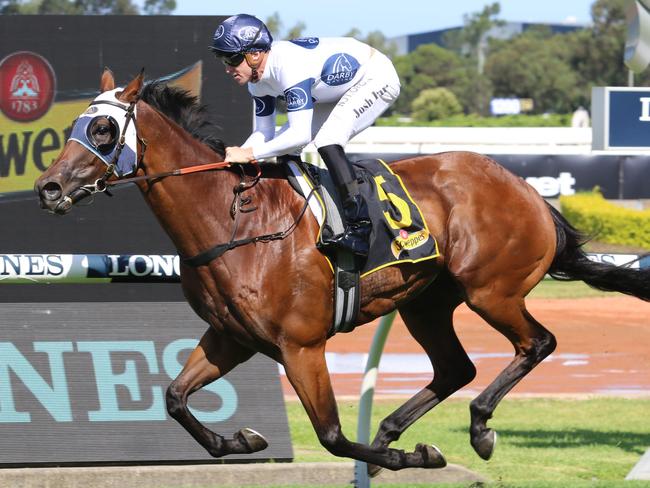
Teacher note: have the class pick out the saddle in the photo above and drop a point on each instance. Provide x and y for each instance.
(400, 233)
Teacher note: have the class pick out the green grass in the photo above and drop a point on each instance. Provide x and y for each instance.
(566, 289)
(542, 442)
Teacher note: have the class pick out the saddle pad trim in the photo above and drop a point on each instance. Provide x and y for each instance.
(297, 168)
(424, 221)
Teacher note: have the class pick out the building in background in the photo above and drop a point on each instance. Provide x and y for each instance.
(409, 42)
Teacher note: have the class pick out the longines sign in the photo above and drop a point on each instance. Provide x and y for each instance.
(85, 383)
(89, 268)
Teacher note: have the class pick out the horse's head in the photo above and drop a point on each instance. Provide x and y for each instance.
(102, 145)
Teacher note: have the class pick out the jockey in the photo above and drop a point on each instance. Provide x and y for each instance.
(333, 87)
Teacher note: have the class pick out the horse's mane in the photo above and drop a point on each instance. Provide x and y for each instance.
(185, 110)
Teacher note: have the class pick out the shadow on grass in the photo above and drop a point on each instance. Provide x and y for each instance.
(633, 442)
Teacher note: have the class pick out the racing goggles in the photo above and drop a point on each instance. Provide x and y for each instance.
(230, 59)
(100, 129)
(102, 133)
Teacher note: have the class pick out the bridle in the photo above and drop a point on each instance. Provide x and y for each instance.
(102, 184)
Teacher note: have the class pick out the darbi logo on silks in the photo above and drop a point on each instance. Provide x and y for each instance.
(264, 105)
(248, 33)
(339, 69)
(298, 96)
(220, 30)
(306, 42)
(260, 106)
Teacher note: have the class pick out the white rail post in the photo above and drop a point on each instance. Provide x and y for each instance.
(361, 478)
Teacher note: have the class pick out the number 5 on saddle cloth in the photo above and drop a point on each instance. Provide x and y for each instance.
(399, 230)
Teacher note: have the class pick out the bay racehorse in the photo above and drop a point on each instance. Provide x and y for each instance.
(498, 238)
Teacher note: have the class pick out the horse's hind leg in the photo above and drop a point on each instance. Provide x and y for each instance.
(532, 343)
(429, 319)
(213, 357)
(307, 371)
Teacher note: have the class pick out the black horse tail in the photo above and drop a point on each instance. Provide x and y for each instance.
(571, 264)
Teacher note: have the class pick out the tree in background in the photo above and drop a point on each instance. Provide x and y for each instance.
(9, 7)
(472, 43)
(435, 103)
(431, 66)
(275, 24)
(558, 71)
(85, 7)
(472, 39)
(159, 7)
(533, 65)
(375, 39)
(596, 53)
(105, 7)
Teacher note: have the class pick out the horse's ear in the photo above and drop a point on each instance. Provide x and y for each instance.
(108, 81)
(132, 90)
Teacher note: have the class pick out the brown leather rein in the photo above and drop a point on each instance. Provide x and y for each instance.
(180, 172)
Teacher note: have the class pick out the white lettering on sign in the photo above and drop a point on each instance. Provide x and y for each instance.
(547, 186)
(645, 109)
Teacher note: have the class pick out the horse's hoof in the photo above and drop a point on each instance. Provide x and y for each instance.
(253, 440)
(374, 470)
(431, 456)
(484, 443)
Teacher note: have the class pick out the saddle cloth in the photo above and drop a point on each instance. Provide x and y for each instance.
(399, 230)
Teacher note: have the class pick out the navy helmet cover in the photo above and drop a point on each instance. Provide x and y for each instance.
(241, 33)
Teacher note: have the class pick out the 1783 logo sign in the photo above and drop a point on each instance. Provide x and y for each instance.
(27, 86)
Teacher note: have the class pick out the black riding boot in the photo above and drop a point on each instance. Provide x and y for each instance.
(356, 236)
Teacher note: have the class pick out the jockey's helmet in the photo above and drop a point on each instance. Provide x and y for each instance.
(240, 34)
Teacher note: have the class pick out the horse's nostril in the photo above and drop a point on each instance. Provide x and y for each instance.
(51, 191)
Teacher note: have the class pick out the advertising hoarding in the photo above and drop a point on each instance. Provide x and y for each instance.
(620, 118)
(85, 383)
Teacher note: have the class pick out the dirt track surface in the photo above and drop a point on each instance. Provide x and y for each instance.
(603, 349)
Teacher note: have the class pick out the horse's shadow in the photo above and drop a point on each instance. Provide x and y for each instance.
(633, 442)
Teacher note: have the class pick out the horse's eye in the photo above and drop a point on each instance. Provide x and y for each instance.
(102, 134)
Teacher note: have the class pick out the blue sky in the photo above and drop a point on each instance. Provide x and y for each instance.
(393, 18)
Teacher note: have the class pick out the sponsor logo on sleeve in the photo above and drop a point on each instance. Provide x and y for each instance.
(260, 106)
(264, 105)
(339, 69)
(298, 97)
(306, 42)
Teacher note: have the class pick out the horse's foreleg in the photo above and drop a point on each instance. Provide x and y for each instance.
(214, 356)
(429, 319)
(532, 343)
(307, 371)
